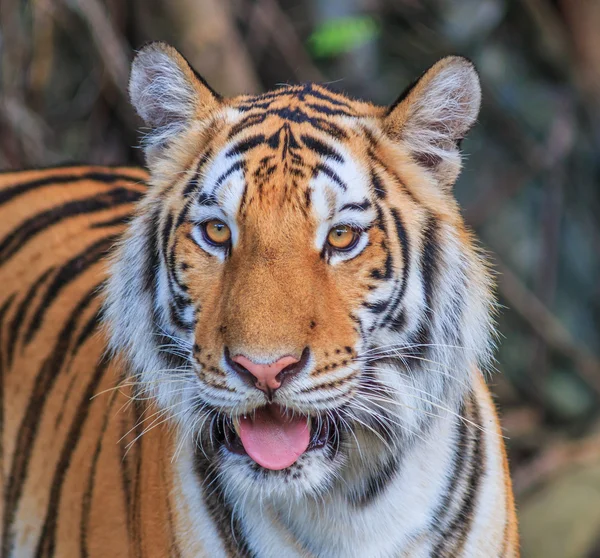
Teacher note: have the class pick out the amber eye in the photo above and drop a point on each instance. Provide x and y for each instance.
(342, 237)
(217, 232)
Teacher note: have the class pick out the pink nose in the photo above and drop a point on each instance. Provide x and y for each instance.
(265, 374)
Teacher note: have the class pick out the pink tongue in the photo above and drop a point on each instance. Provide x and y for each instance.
(273, 439)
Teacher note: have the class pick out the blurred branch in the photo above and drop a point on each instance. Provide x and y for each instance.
(112, 47)
(43, 48)
(114, 53)
(541, 158)
(207, 35)
(553, 38)
(268, 21)
(547, 326)
(583, 21)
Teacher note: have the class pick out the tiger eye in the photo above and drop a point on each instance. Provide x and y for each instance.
(342, 237)
(217, 232)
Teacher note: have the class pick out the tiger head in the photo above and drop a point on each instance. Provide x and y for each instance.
(297, 290)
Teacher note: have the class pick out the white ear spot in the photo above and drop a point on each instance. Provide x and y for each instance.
(436, 114)
(166, 93)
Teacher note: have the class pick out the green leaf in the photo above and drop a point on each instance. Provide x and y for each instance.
(337, 36)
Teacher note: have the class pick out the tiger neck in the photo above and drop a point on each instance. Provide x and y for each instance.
(394, 499)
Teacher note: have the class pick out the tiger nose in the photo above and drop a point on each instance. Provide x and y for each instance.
(268, 377)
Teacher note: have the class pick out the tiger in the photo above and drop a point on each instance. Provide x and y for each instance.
(271, 343)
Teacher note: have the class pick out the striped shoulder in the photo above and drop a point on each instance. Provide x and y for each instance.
(22, 181)
(33, 200)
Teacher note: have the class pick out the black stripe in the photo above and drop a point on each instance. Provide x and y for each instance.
(8, 194)
(376, 483)
(165, 235)
(66, 274)
(3, 311)
(459, 457)
(429, 260)
(364, 205)
(17, 321)
(329, 111)
(281, 91)
(328, 127)
(29, 426)
(238, 165)
(177, 320)
(256, 105)
(388, 268)
(246, 145)
(301, 91)
(377, 186)
(398, 322)
(405, 247)
(194, 182)
(152, 261)
(404, 94)
(430, 253)
(389, 171)
(19, 237)
(178, 302)
(395, 318)
(174, 550)
(290, 143)
(136, 519)
(377, 307)
(129, 456)
(47, 541)
(321, 92)
(321, 148)
(478, 464)
(227, 524)
(89, 328)
(455, 534)
(247, 122)
(113, 222)
(296, 115)
(86, 501)
(330, 173)
(207, 200)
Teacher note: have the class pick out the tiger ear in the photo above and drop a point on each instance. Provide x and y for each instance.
(435, 114)
(167, 94)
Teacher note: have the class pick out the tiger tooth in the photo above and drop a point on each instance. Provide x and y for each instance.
(236, 426)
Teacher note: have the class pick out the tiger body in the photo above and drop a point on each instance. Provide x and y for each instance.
(122, 409)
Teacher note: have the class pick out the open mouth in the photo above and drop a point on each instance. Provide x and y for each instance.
(274, 438)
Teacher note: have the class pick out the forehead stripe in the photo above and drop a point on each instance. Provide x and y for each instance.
(246, 145)
(290, 115)
(207, 200)
(364, 205)
(324, 109)
(299, 91)
(319, 94)
(194, 182)
(238, 165)
(328, 171)
(321, 148)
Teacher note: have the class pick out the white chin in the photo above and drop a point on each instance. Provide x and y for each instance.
(312, 474)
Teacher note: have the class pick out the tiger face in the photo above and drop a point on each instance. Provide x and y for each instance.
(298, 291)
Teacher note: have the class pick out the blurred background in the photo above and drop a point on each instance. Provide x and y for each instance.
(530, 188)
